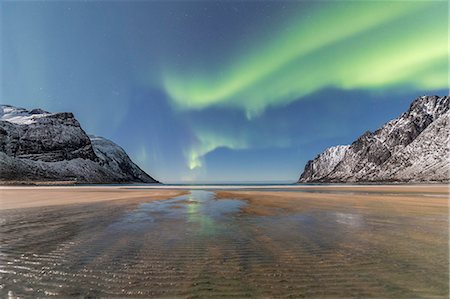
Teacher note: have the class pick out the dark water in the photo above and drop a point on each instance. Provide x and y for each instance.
(197, 246)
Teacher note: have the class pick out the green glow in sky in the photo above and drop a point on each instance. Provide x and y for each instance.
(346, 45)
(209, 141)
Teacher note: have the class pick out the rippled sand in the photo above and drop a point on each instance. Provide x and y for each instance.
(292, 243)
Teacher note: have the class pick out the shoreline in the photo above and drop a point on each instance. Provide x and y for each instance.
(228, 186)
(284, 184)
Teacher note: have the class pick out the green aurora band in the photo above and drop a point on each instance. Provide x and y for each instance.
(208, 142)
(375, 46)
(357, 45)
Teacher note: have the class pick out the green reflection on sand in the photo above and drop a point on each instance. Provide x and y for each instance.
(197, 215)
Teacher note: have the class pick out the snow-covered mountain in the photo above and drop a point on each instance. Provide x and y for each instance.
(411, 148)
(38, 145)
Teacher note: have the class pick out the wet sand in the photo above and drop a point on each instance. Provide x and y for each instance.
(384, 200)
(441, 189)
(348, 243)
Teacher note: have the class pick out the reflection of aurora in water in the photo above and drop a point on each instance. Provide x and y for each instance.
(204, 211)
(195, 215)
(199, 208)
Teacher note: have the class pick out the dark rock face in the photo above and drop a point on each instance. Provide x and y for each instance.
(55, 137)
(37, 146)
(373, 155)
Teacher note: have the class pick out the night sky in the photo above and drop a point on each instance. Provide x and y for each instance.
(224, 91)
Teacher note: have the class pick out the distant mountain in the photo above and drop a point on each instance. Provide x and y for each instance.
(40, 146)
(411, 148)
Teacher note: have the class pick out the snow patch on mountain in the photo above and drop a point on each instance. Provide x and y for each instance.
(324, 163)
(21, 116)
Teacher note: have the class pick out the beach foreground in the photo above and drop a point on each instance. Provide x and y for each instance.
(315, 241)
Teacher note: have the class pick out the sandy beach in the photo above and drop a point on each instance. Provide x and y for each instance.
(122, 241)
(32, 197)
(392, 200)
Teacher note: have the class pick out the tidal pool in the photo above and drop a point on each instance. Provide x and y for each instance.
(197, 245)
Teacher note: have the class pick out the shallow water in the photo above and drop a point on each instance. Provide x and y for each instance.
(198, 246)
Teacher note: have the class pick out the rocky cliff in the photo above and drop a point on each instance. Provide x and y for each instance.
(411, 148)
(40, 146)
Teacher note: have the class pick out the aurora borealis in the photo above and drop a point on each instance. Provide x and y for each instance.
(287, 66)
(224, 90)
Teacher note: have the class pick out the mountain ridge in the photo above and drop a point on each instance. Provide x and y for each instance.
(36, 145)
(390, 153)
